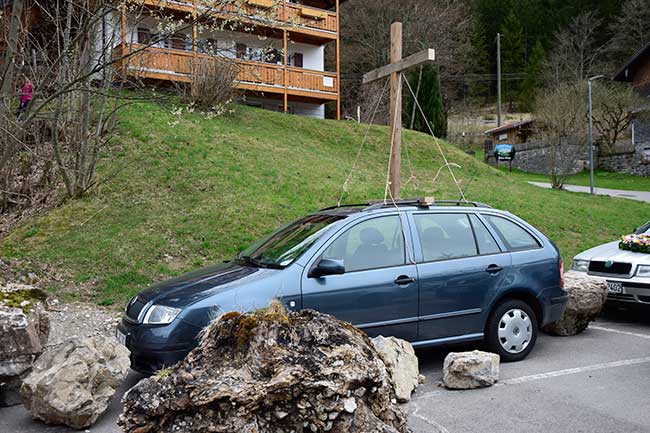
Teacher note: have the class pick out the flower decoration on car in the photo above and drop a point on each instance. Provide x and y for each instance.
(637, 243)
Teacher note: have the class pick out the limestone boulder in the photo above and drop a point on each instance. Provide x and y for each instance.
(24, 329)
(270, 371)
(72, 383)
(587, 297)
(468, 370)
(402, 364)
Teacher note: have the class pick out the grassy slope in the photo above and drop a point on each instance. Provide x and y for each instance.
(198, 192)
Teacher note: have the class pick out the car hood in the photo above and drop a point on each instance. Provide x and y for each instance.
(611, 251)
(199, 284)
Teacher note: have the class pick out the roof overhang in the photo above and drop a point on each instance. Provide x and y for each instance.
(626, 73)
(508, 127)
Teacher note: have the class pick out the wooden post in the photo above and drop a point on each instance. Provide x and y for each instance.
(338, 61)
(395, 111)
(123, 33)
(285, 104)
(195, 31)
(394, 70)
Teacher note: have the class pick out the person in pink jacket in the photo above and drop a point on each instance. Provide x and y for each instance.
(26, 95)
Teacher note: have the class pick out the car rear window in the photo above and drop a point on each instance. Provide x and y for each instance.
(513, 235)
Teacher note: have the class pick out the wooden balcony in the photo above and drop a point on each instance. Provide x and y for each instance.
(176, 65)
(313, 22)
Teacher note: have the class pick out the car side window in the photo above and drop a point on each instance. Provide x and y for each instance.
(445, 236)
(513, 235)
(371, 244)
(486, 242)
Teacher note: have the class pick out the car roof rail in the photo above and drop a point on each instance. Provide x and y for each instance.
(418, 202)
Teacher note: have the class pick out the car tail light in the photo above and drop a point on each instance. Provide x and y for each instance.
(561, 273)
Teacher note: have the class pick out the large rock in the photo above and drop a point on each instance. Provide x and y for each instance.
(468, 370)
(402, 364)
(72, 383)
(587, 297)
(270, 371)
(24, 329)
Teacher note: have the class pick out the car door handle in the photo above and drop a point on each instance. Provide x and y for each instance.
(493, 269)
(404, 280)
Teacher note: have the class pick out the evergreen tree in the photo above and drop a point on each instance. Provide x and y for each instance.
(513, 55)
(534, 79)
(430, 99)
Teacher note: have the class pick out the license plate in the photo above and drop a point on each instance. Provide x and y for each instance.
(121, 338)
(614, 287)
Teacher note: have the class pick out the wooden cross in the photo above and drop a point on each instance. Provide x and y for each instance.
(395, 69)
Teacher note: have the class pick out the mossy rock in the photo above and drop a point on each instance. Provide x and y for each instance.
(16, 298)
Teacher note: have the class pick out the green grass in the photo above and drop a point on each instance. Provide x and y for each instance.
(179, 197)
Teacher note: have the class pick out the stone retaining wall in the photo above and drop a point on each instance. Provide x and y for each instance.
(533, 157)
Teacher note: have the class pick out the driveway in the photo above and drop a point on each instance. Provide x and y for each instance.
(595, 382)
(632, 195)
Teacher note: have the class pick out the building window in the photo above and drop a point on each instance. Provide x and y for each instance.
(144, 36)
(297, 60)
(241, 50)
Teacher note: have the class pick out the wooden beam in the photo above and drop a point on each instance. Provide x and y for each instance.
(285, 103)
(426, 56)
(338, 61)
(395, 111)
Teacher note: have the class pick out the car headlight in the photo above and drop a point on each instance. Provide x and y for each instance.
(580, 265)
(643, 271)
(160, 315)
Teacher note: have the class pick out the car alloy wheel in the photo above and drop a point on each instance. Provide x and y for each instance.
(515, 331)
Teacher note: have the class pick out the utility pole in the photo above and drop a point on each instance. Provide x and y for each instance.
(498, 79)
(592, 187)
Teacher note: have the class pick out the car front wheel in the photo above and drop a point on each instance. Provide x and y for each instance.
(512, 330)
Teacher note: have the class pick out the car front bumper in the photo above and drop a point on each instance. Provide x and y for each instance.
(156, 347)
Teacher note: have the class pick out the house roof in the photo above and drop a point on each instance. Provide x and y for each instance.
(627, 71)
(508, 127)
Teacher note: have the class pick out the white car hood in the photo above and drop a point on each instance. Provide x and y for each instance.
(610, 251)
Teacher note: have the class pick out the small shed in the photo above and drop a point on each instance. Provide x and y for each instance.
(511, 133)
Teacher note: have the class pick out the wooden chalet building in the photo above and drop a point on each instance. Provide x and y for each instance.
(280, 51)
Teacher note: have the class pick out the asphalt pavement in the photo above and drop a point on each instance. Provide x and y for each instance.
(594, 382)
(620, 193)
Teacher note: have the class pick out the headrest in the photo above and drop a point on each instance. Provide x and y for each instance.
(432, 235)
(371, 236)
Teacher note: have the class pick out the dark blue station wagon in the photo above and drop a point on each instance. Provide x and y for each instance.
(431, 274)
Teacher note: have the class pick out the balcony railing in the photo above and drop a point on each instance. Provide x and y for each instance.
(176, 65)
(257, 11)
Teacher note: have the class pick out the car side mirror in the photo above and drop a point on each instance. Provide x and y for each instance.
(327, 267)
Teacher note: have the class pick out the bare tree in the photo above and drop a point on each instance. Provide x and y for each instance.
(612, 114)
(630, 30)
(577, 52)
(365, 31)
(561, 127)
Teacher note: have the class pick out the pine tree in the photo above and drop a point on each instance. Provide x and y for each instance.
(533, 80)
(430, 99)
(513, 55)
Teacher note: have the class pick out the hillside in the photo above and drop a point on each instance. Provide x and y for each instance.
(181, 192)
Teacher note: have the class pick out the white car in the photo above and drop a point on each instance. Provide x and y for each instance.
(627, 273)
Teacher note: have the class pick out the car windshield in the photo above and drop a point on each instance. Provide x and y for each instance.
(282, 247)
(643, 229)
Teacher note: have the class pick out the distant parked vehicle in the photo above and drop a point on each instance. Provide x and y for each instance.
(627, 273)
(429, 273)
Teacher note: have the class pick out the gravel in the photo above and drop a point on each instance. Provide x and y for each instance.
(80, 320)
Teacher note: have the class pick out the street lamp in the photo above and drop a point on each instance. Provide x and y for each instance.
(591, 136)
